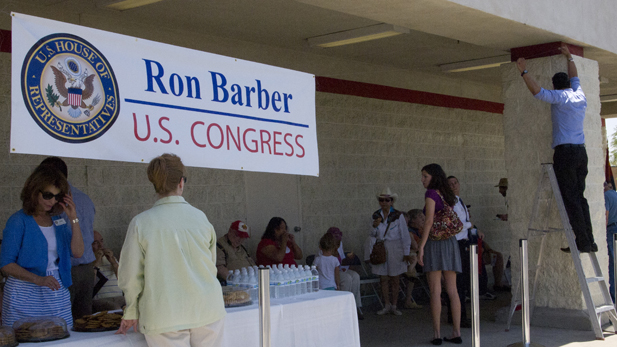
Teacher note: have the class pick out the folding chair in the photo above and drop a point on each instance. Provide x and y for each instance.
(365, 278)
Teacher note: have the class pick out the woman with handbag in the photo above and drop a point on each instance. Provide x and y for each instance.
(390, 253)
(438, 250)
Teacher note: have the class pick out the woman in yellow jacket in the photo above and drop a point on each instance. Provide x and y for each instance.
(168, 267)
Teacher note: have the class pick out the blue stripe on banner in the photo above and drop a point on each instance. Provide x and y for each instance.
(156, 104)
(24, 299)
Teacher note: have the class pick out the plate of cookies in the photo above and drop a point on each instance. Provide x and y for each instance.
(100, 321)
(40, 329)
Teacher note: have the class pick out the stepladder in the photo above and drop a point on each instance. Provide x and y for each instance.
(549, 216)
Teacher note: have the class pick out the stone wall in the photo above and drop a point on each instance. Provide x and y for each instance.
(364, 145)
(528, 137)
(367, 144)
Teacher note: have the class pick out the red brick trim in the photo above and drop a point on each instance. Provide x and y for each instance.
(5, 41)
(375, 91)
(543, 50)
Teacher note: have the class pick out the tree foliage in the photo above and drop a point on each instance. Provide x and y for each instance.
(612, 143)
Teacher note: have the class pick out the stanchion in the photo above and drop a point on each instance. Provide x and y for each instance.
(475, 296)
(525, 297)
(264, 307)
(615, 270)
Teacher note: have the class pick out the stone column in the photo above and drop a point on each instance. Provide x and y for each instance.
(528, 138)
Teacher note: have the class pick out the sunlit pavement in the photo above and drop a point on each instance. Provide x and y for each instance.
(414, 328)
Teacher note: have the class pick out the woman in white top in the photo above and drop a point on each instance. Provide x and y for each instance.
(389, 225)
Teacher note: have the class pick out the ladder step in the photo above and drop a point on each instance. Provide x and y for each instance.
(604, 308)
(595, 279)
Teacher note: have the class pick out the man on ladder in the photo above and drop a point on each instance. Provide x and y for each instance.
(568, 104)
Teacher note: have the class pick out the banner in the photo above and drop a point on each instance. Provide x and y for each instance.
(86, 93)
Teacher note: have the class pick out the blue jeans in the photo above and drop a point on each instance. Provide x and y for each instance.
(610, 231)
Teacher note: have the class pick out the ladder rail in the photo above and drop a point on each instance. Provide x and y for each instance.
(594, 312)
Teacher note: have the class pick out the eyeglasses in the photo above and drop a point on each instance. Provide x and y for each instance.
(183, 179)
(384, 200)
(49, 196)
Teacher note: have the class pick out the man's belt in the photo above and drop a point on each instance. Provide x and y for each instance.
(571, 145)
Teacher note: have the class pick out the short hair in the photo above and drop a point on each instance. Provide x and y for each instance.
(413, 214)
(165, 173)
(42, 177)
(448, 178)
(328, 242)
(561, 81)
(57, 163)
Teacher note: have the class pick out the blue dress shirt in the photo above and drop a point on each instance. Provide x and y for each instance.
(567, 112)
(85, 212)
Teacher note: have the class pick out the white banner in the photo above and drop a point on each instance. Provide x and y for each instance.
(81, 92)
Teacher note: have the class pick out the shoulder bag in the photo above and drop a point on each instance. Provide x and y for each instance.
(445, 222)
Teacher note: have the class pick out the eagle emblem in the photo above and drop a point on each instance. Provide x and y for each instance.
(80, 88)
(69, 88)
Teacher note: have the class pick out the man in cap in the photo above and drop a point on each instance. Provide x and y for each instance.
(568, 105)
(231, 254)
(503, 190)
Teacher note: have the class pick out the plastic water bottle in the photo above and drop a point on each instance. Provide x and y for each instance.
(253, 286)
(273, 289)
(291, 289)
(236, 278)
(244, 279)
(315, 278)
(302, 279)
(308, 278)
(230, 279)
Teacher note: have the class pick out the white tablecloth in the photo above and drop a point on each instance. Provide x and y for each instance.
(326, 318)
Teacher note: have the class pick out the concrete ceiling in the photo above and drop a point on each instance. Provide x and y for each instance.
(441, 30)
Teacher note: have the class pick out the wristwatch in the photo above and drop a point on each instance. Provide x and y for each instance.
(524, 72)
(570, 59)
(76, 220)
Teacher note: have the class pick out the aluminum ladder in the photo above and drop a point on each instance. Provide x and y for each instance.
(547, 193)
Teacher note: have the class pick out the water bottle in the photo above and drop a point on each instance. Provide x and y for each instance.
(315, 278)
(230, 278)
(308, 278)
(302, 280)
(244, 279)
(289, 284)
(253, 285)
(236, 277)
(273, 288)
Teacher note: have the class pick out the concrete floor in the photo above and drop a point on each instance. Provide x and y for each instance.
(414, 328)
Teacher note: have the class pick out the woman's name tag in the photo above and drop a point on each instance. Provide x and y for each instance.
(59, 222)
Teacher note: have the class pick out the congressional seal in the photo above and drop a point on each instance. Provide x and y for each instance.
(69, 88)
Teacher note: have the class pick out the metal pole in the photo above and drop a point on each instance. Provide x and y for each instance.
(264, 307)
(525, 297)
(615, 268)
(475, 296)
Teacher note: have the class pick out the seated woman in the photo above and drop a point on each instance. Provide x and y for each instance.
(277, 245)
(37, 249)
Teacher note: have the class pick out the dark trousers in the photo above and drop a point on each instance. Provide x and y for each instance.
(570, 164)
(463, 280)
(81, 290)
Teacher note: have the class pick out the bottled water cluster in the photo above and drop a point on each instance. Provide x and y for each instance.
(285, 281)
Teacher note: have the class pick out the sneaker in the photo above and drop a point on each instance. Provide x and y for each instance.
(412, 305)
(488, 296)
(384, 310)
(395, 311)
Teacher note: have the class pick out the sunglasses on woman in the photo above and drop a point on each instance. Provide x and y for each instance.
(49, 196)
(384, 200)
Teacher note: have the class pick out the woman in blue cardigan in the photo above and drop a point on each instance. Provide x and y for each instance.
(37, 247)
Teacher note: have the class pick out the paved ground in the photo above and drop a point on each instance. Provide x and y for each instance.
(413, 328)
